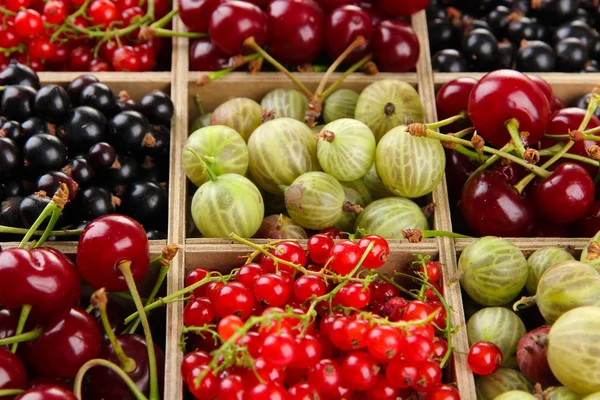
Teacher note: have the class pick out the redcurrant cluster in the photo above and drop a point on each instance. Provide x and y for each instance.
(291, 324)
(82, 35)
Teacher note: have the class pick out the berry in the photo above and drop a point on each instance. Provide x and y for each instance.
(484, 358)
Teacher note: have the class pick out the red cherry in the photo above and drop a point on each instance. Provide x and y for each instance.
(330, 5)
(383, 342)
(234, 299)
(9, 318)
(195, 14)
(429, 375)
(302, 391)
(343, 26)
(55, 11)
(266, 391)
(309, 286)
(401, 373)
(452, 99)
(308, 351)
(205, 56)
(589, 224)
(398, 8)
(198, 312)
(566, 195)
(104, 244)
(208, 387)
(558, 104)
(68, 341)
(287, 251)
(193, 360)
(248, 274)
(325, 377)
(521, 100)
(484, 358)
(544, 87)
(279, 349)
(295, 31)
(344, 257)
(396, 46)
(102, 12)
(271, 289)
(28, 23)
(126, 59)
(47, 392)
(379, 252)
(12, 371)
(235, 21)
(443, 392)
(228, 326)
(492, 208)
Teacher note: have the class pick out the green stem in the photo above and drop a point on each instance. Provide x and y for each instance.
(199, 104)
(22, 231)
(160, 32)
(10, 392)
(468, 153)
(98, 362)
(57, 204)
(356, 43)
(23, 337)
(506, 148)
(125, 268)
(48, 231)
(213, 76)
(447, 121)
(350, 70)
(7, 12)
(166, 19)
(512, 125)
(434, 233)
(571, 156)
(21, 324)
(80, 11)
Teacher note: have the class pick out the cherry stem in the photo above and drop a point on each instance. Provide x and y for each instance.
(251, 43)
(350, 70)
(99, 301)
(592, 105)
(57, 203)
(508, 147)
(10, 392)
(213, 76)
(512, 125)
(199, 105)
(161, 32)
(164, 261)
(431, 233)
(587, 160)
(166, 19)
(447, 121)
(589, 134)
(468, 153)
(125, 268)
(524, 302)
(53, 218)
(21, 324)
(23, 337)
(22, 231)
(98, 362)
(356, 43)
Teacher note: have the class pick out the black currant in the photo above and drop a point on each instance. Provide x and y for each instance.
(81, 171)
(52, 103)
(147, 203)
(129, 129)
(522, 28)
(505, 56)
(448, 60)
(99, 96)
(94, 202)
(10, 158)
(84, 127)
(571, 55)
(13, 130)
(77, 85)
(577, 30)
(442, 35)
(102, 155)
(44, 152)
(498, 20)
(50, 183)
(12, 189)
(32, 206)
(479, 47)
(535, 56)
(124, 171)
(157, 107)
(17, 102)
(19, 74)
(158, 147)
(156, 235)
(557, 11)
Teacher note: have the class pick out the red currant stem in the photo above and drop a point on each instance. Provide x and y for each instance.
(25, 310)
(116, 32)
(356, 43)
(524, 302)
(20, 48)
(164, 263)
(22, 231)
(251, 43)
(7, 12)
(124, 296)
(166, 19)
(23, 337)
(98, 362)
(396, 285)
(512, 125)
(10, 392)
(445, 138)
(200, 329)
(125, 268)
(161, 32)
(350, 70)
(447, 121)
(80, 11)
(99, 301)
(570, 156)
(258, 252)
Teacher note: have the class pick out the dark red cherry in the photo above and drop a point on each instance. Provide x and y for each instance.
(453, 98)
(589, 224)
(261, 3)
(103, 383)
(47, 392)
(558, 104)
(195, 14)
(106, 242)
(492, 207)
(396, 46)
(330, 5)
(69, 340)
(547, 228)
(403, 8)
(12, 371)
(43, 277)
(458, 169)
(235, 21)
(503, 95)
(566, 195)
(9, 318)
(544, 87)
(296, 30)
(343, 26)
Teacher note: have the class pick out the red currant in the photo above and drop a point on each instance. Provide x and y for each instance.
(208, 386)
(228, 326)
(443, 392)
(401, 373)
(382, 291)
(440, 348)
(193, 360)
(125, 59)
(248, 274)
(357, 332)
(325, 377)
(271, 289)
(102, 12)
(394, 308)
(279, 349)
(417, 310)
(383, 342)
(354, 295)
(99, 65)
(253, 342)
(303, 391)
(384, 390)
(378, 254)
(231, 388)
(309, 286)
(308, 351)
(196, 275)
(234, 299)
(334, 233)
(266, 391)
(266, 371)
(41, 47)
(319, 246)
(146, 57)
(28, 23)
(16, 5)
(429, 375)
(337, 333)
(55, 11)
(359, 371)
(212, 290)
(288, 251)
(8, 36)
(343, 257)
(433, 271)
(417, 349)
(484, 358)
(80, 58)
(199, 312)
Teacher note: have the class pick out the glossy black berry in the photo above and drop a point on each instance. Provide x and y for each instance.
(577, 30)
(99, 96)
(13, 130)
(479, 47)
(19, 74)
(158, 147)
(442, 35)
(52, 104)
(128, 130)
(124, 171)
(10, 158)
(498, 20)
(77, 85)
(157, 107)
(557, 11)
(583, 102)
(522, 28)
(125, 105)
(154, 171)
(50, 183)
(147, 203)
(84, 127)
(571, 55)
(44, 152)
(33, 126)
(17, 102)
(505, 56)
(12, 189)
(448, 60)
(535, 56)
(81, 171)
(156, 235)
(102, 155)
(94, 202)
(32, 206)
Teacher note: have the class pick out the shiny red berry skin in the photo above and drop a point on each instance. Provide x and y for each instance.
(288, 251)
(443, 392)
(271, 289)
(308, 351)
(296, 30)
(452, 99)
(384, 390)
(266, 391)
(28, 23)
(309, 286)
(319, 246)
(484, 358)
(194, 276)
(429, 375)
(108, 241)
(12, 371)
(396, 46)
(302, 391)
(16, 5)
(325, 377)
(279, 350)
(433, 271)
(359, 371)
(397, 8)
(344, 257)
(416, 349)
(566, 195)
(208, 387)
(46, 392)
(234, 299)
(198, 312)
(545, 88)
(248, 274)
(401, 373)
(384, 342)
(102, 12)
(353, 294)
(330, 5)
(228, 326)
(193, 360)
(232, 387)
(342, 27)
(195, 14)
(55, 11)
(521, 100)
(126, 59)
(235, 21)
(205, 56)
(378, 254)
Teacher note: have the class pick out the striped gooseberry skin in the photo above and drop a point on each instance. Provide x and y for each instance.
(280, 151)
(225, 147)
(231, 203)
(409, 166)
(388, 217)
(573, 348)
(285, 103)
(341, 104)
(565, 286)
(516, 395)
(590, 257)
(489, 387)
(500, 326)
(240, 114)
(374, 184)
(493, 271)
(386, 104)
(355, 192)
(315, 200)
(539, 261)
(346, 149)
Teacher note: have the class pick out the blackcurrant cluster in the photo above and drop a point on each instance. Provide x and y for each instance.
(530, 36)
(111, 152)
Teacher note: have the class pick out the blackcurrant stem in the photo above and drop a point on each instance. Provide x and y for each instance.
(350, 70)
(251, 43)
(164, 262)
(98, 362)
(512, 125)
(23, 337)
(592, 105)
(57, 203)
(166, 19)
(447, 121)
(508, 147)
(10, 392)
(22, 231)
(25, 310)
(125, 268)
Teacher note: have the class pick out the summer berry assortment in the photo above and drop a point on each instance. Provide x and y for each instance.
(291, 324)
(301, 33)
(111, 151)
(537, 36)
(90, 35)
(51, 347)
